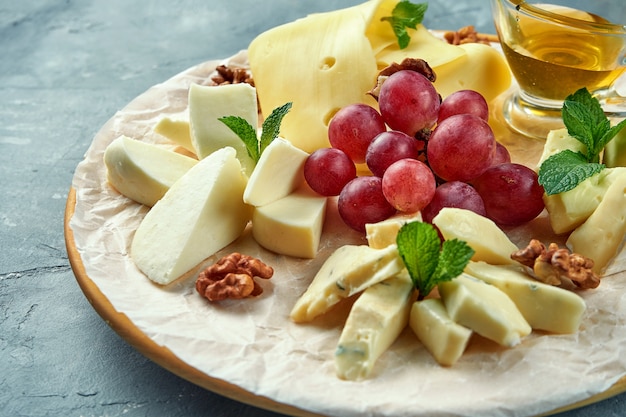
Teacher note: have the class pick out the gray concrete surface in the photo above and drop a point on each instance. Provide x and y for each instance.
(65, 68)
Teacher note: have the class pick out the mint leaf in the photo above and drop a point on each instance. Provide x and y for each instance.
(565, 170)
(271, 125)
(426, 259)
(406, 15)
(246, 132)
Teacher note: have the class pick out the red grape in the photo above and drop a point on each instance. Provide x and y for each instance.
(464, 102)
(454, 194)
(389, 147)
(409, 185)
(511, 193)
(502, 155)
(362, 201)
(353, 128)
(461, 148)
(328, 170)
(408, 102)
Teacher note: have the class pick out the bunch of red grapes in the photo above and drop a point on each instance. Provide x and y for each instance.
(424, 154)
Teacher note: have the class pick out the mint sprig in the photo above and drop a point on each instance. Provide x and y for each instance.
(428, 261)
(248, 134)
(586, 122)
(405, 15)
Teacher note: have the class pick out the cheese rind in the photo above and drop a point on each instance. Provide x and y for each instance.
(292, 225)
(484, 309)
(349, 270)
(143, 171)
(207, 104)
(374, 323)
(199, 215)
(278, 172)
(489, 242)
(545, 307)
(445, 339)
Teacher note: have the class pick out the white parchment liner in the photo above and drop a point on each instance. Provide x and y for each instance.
(253, 344)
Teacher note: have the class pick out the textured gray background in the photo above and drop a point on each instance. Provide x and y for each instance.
(65, 68)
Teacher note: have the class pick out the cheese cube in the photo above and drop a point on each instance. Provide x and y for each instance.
(199, 215)
(445, 339)
(545, 307)
(207, 104)
(374, 323)
(489, 242)
(278, 172)
(291, 225)
(484, 309)
(349, 270)
(143, 171)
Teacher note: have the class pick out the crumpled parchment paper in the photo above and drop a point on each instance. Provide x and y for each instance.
(253, 344)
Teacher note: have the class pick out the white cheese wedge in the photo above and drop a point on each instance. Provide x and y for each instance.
(143, 171)
(207, 104)
(279, 171)
(374, 323)
(178, 131)
(292, 225)
(445, 339)
(484, 309)
(545, 307)
(570, 209)
(559, 140)
(349, 270)
(382, 234)
(489, 242)
(601, 237)
(199, 215)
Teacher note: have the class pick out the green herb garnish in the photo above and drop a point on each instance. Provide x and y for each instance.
(427, 260)
(586, 122)
(405, 15)
(247, 133)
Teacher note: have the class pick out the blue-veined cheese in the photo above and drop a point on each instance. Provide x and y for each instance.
(200, 214)
(207, 104)
(349, 270)
(485, 309)
(143, 171)
(374, 323)
(545, 307)
(444, 338)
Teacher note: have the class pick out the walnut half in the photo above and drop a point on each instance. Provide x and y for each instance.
(233, 277)
(550, 264)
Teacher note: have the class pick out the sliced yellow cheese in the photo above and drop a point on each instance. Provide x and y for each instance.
(291, 225)
(382, 234)
(177, 131)
(489, 242)
(349, 270)
(207, 104)
(143, 171)
(570, 209)
(199, 215)
(601, 236)
(445, 339)
(374, 323)
(545, 307)
(484, 309)
(278, 172)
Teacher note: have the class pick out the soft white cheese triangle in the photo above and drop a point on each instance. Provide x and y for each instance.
(278, 172)
(291, 225)
(143, 171)
(207, 104)
(178, 131)
(484, 309)
(374, 323)
(199, 215)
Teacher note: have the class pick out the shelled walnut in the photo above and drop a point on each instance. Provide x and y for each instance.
(468, 34)
(550, 264)
(231, 75)
(233, 277)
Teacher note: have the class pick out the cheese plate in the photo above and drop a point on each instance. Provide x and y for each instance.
(250, 350)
